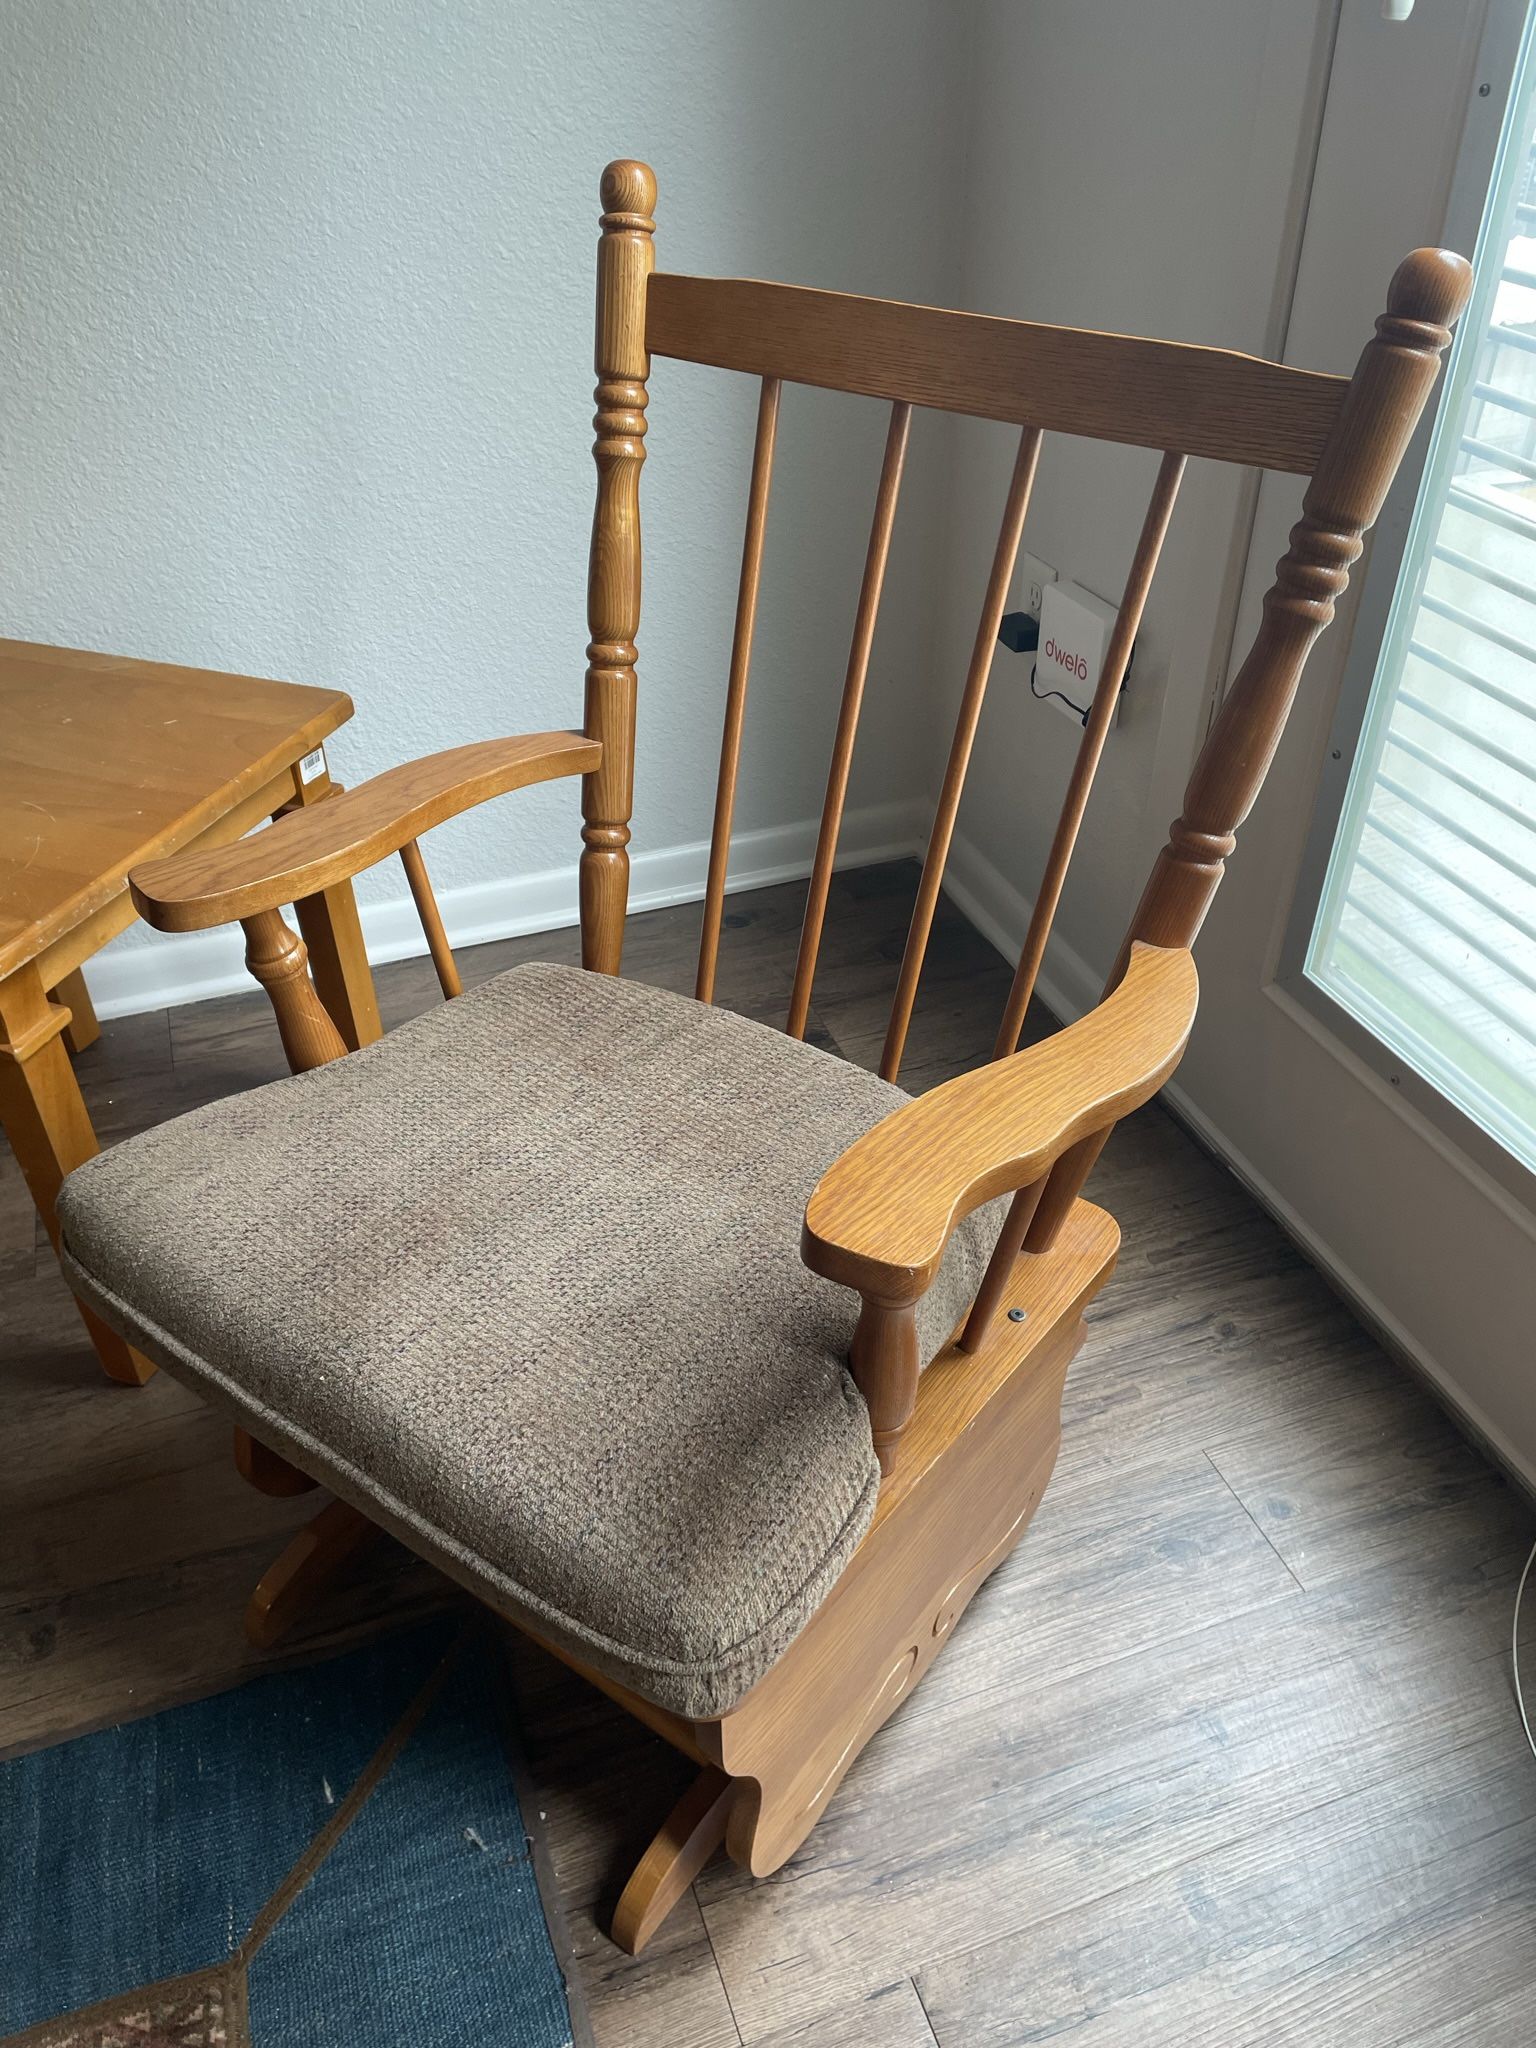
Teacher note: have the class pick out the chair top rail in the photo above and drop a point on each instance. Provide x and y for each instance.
(1116, 387)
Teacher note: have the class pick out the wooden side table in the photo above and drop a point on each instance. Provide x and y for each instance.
(105, 763)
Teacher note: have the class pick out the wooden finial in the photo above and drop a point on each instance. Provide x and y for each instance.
(629, 192)
(625, 259)
(1430, 288)
(1381, 408)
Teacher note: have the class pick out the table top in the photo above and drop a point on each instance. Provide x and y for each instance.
(106, 762)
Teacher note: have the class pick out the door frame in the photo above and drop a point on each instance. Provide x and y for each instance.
(1434, 1252)
(1505, 30)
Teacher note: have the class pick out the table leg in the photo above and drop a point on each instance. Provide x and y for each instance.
(44, 1117)
(82, 1029)
(332, 932)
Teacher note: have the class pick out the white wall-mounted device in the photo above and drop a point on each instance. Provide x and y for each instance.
(1074, 634)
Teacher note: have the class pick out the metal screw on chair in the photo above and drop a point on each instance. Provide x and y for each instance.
(1017, 1315)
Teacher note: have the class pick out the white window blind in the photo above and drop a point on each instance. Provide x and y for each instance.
(1426, 931)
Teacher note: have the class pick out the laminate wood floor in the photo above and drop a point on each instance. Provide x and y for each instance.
(1226, 1752)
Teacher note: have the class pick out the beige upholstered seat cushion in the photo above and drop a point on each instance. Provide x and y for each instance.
(522, 1281)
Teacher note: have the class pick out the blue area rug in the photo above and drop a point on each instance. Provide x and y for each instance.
(329, 1855)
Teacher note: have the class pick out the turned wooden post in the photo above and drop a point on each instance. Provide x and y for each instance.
(885, 1364)
(278, 959)
(1392, 380)
(625, 259)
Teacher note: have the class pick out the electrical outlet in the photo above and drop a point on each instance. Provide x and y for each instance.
(1030, 579)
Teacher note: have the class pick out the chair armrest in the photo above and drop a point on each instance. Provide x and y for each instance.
(882, 1214)
(308, 850)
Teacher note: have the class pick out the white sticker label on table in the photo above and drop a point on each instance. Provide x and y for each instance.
(312, 765)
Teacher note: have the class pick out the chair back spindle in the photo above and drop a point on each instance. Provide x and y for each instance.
(736, 684)
(1006, 553)
(867, 613)
(1101, 714)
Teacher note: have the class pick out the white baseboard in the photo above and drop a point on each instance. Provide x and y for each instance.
(193, 966)
(1395, 1337)
(1069, 987)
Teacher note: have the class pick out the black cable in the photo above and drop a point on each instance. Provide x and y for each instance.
(1041, 696)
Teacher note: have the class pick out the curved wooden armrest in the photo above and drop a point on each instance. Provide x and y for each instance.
(882, 1214)
(308, 850)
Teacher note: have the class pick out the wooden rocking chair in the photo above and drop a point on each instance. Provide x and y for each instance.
(722, 1368)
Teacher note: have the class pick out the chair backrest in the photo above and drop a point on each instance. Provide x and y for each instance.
(1346, 434)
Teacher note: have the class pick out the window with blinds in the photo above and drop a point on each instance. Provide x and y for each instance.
(1426, 931)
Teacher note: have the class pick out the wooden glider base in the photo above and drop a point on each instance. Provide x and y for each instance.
(973, 1465)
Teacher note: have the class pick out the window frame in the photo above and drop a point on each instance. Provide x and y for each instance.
(1498, 56)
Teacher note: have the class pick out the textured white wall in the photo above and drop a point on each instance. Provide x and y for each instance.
(296, 335)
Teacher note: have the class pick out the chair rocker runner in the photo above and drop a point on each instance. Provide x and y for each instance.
(722, 1368)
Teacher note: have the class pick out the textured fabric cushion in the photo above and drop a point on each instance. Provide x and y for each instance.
(522, 1281)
